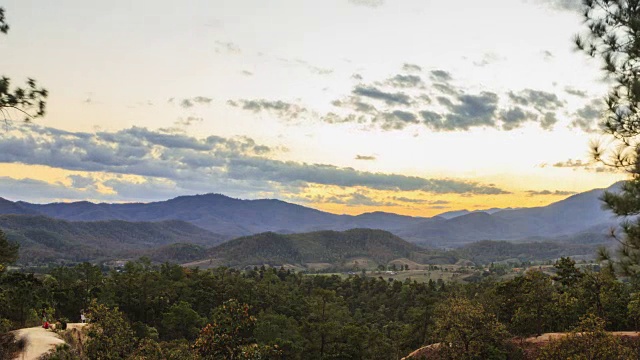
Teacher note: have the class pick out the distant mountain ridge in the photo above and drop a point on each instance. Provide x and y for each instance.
(234, 218)
(44, 239)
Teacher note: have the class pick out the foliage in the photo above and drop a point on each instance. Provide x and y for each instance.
(466, 331)
(30, 102)
(181, 322)
(588, 341)
(8, 250)
(110, 335)
(229, 335)
(612, 36)
(9, 345)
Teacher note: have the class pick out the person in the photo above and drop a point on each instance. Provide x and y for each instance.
(82, 317)
(44, 318)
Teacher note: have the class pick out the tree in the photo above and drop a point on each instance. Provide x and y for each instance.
(181, 321)
(230, 335)
(29, 101)
(613, 36)
(8, 249)
(466, 331)
(588, 341)
(110, 335)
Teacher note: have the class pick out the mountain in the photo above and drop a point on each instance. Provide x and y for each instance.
(327, 247)
(456, 213)
(234, 218)
(222, 215)
(577, 214)
(484, 252)
(43, 239)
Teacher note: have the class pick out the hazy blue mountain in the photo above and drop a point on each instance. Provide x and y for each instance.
(234, 217)
(223, 215)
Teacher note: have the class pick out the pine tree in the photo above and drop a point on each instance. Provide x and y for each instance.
(613, 37)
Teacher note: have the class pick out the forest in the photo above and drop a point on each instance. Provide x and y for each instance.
(164, 311)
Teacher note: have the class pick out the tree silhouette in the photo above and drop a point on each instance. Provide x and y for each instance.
(28, 101)
(613, 37)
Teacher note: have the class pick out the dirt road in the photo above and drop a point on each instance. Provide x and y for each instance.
(40, 341)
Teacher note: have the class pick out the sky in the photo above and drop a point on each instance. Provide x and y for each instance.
(415, 107)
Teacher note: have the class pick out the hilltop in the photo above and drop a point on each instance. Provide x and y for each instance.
(345, 249)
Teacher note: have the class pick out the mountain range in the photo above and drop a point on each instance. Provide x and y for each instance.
(207, 220)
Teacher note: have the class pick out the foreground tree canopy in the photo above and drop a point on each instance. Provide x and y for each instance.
(27, 102)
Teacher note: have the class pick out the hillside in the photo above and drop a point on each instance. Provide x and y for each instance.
(332, 247)
(45, 239)
(484, 252)
(233, 218)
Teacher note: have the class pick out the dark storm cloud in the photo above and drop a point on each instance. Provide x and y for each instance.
(186, 162)
(388, 97)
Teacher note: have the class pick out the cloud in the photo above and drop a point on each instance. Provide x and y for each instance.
(191, 102)
(355, 103)
(575, 92)
(367, 3)
(28, 189)
(365, 157)
(547, 55)
(440, 75)
(387, 97)
(405, 81)
(411, 68)
(227, 47)
(238, 165)
(586, 118)
(356, 77)
(81, 182)
(419, 201)
(566, 5)
(280, 108)
(188, 121)
(513, 118)
(396, 120)
(358, 198)
(247, 73)
(312, 68)
(540, 100)
(487, 59)
(586, 166)
(467, 112)
(548, 192)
